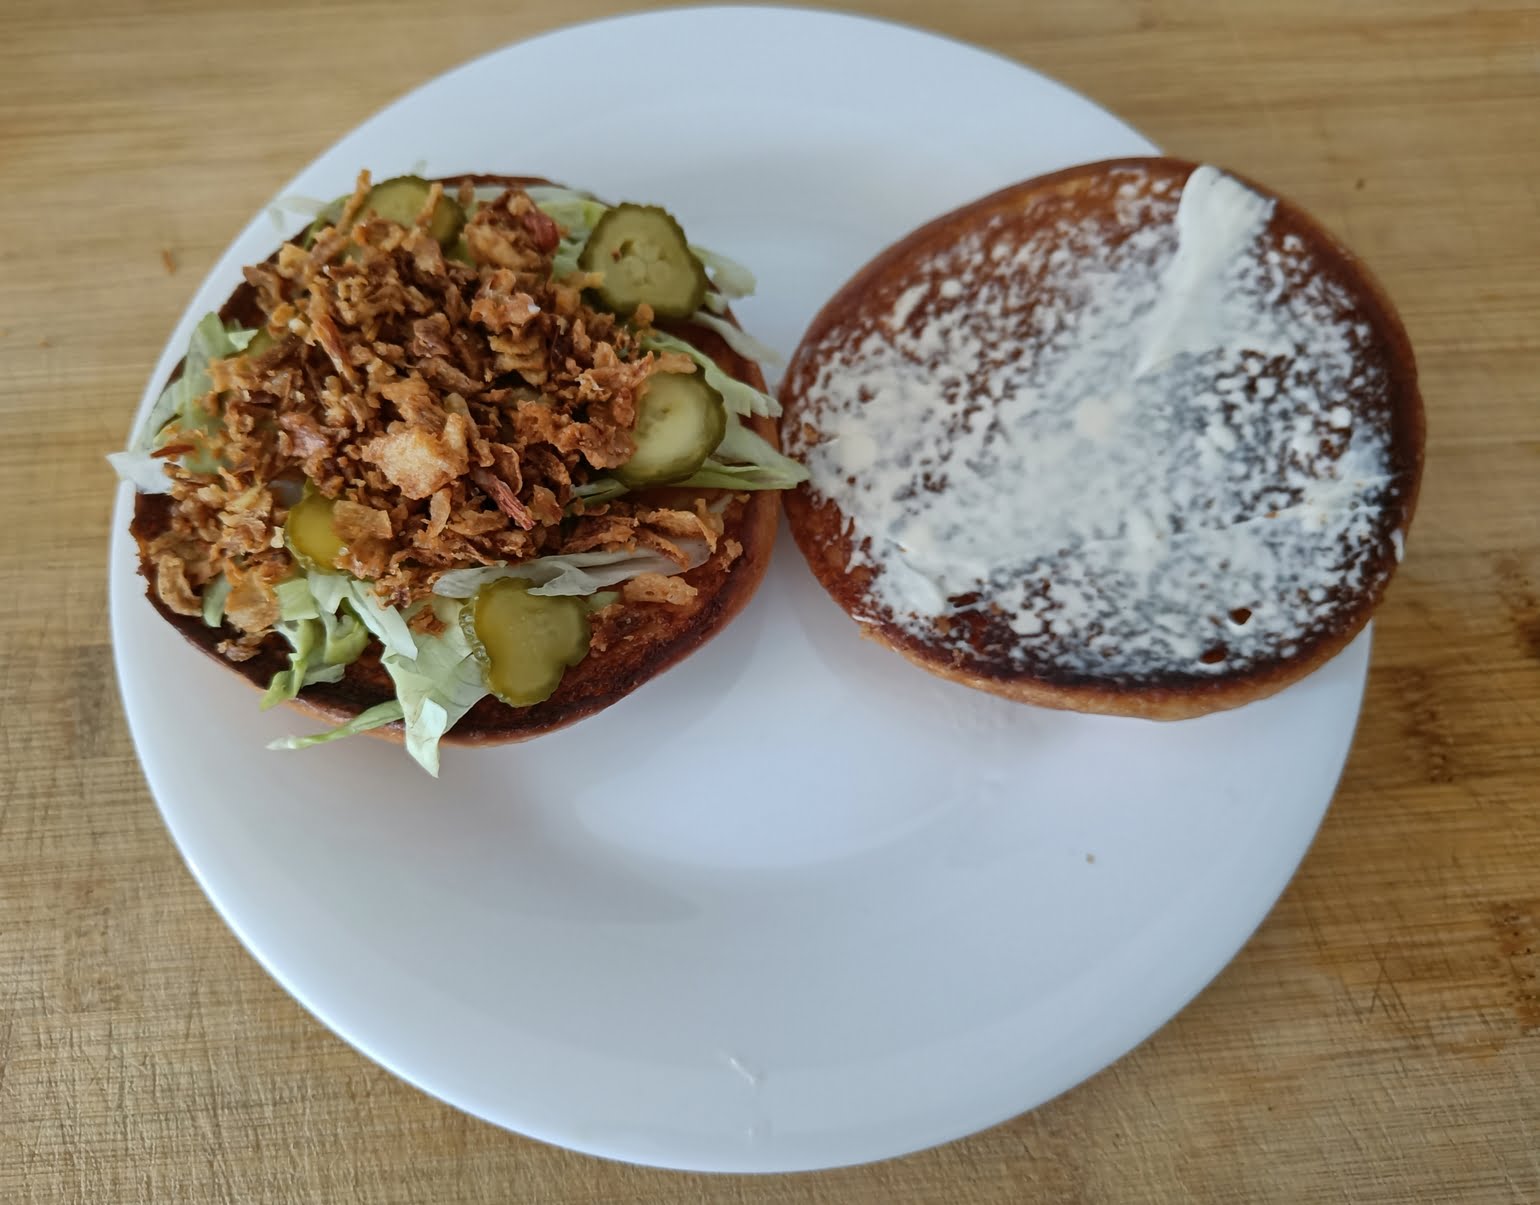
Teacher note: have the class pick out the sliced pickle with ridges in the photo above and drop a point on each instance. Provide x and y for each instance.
(309, 532)
(525, 642)
(679, 422)
(644, 257)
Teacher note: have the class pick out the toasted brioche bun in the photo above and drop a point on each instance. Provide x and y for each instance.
(981, 640)
(651, 636)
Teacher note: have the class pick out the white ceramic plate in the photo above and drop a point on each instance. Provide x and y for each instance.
(795, 903)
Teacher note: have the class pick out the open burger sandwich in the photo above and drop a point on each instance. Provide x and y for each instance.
(468, 460)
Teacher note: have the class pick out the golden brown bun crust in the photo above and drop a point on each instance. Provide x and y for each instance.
(824, 534)
(654, 636)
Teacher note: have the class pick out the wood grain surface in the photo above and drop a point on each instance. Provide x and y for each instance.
(1379, 1038)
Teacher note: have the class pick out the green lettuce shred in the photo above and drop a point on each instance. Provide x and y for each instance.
(577, 214)
(742, 446)
(375, 717)
(577, 573)
(214, 596)
(731, 278)
(746, 460)
(437, 686)
(323, 641)
(385, 622)
(328, 589)
(714, 475)
(601, 489)
(295, 600)
(437, 678)
(211, 340)
(344, 638)
(739, 339)
(740, 398)
(286, 683)
(146, 473)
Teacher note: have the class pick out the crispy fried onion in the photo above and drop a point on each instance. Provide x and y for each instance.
(449, 408)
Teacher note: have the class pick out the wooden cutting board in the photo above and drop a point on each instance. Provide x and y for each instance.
(1378, 1040)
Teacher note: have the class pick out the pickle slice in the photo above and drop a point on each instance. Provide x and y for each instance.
(309, 532)
(397, 200)
(679, 422)
(524, 641)
(401, 199)
(644, 257)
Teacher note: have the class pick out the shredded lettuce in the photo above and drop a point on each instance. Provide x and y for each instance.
(344, 638)
(577, 211)
(328, 589)
(307, 207)
(280, 211)
(729, 276)
(286, 683)
(323, 642)
(576, 574)
(321, 596)
(544, 195)
(740, 398)
(328, 618)
(577, 214)
(437, 686)
(741, 445)
(745, 460)
(214, 596)
(564, 262)
(739, 340)
(211, 340)
(601, 489)
(295, 600)
(714, 475)
(146, 473)
(375, 717)
(385, 622)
